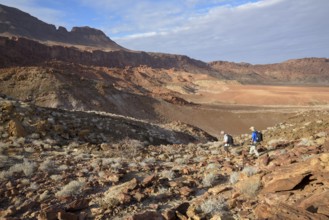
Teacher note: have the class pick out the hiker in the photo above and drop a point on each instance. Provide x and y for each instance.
(255, 139)
(228, 141)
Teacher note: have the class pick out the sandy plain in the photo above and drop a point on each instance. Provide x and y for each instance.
(235, 108)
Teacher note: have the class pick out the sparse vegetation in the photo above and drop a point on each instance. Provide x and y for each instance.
(66, 166)
(48, 165)
(249, 171)
(209, 179)
(234, 178)
(168, 174)
(73, 188)
(213, 205)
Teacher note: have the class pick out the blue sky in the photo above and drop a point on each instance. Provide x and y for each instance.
(253, 31)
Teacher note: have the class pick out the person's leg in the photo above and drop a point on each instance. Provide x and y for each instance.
(252, 149)
(226, 149)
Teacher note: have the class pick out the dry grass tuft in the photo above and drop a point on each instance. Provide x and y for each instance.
(71, 189)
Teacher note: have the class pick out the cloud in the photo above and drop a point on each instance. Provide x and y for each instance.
(46, 14)
(255, 31)
(260, 32)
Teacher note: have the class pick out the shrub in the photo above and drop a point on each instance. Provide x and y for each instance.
(209, 179)
(101, 174)
(20, 140)
(306, 142)
(215, 152)
(34, 186)
(44, 195)
(181, 161)
(3, 146)
(213, 205)
(168, 174)
(29, 149)
(212, 166)
(47, 165)
(149, 160)
(249, 171)
(25, 182)
(250, 187)
(234, 178)
(26, 167)
(3, 160)
(5, 175)
(56, 177)
(62, 167)
(71, 189)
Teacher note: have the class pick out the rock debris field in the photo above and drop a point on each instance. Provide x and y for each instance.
(57, 164)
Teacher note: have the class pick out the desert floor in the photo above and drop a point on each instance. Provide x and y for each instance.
(234, 108)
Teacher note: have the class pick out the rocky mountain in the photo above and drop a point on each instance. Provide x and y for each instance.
(14, 22)
(57, 164)
(26, 52)
(311, 71)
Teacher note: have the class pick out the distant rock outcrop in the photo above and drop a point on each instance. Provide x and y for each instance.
(14, 22)
(292, 72)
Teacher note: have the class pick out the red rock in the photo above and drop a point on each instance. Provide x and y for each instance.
(169, 215)
(124, 198)
(315, 201)
(185, 191)
(113, 177)
(263, 211)
(139, 196)
(8, 212)
(148, 215)
(182, 208)
(15, 128)
(148, 180)
(67, 216)
(77, 205)
(265, 160)
(323, 209)
(278, 185)
(219, 189)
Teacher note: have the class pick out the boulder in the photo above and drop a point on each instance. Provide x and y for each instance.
(313, 202)
(15, 128)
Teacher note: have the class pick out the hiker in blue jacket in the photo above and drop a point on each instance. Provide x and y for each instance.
(255, 141)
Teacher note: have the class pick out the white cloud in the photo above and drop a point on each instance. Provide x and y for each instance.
(46, 14)
(262, 31)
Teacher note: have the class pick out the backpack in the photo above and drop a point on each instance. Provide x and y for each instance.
(229, 139)
(259, 136)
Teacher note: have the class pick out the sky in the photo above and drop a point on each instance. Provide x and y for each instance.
(251, 31)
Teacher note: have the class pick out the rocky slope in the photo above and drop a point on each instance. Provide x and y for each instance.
(75, 165)
(14, 22)
(305, 71)
(130, 91)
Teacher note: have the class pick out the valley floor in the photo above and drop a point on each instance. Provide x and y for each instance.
(235, 108)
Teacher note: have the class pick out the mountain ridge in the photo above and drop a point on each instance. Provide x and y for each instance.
(18, 23)
(310, 70)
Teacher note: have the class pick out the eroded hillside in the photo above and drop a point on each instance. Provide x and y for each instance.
(307, 71)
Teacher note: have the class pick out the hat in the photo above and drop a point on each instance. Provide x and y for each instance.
(252, 128)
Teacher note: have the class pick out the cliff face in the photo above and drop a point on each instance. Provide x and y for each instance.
(24, 52)
(14, 22)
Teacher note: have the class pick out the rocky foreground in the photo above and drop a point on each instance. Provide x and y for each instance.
(58, 164)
